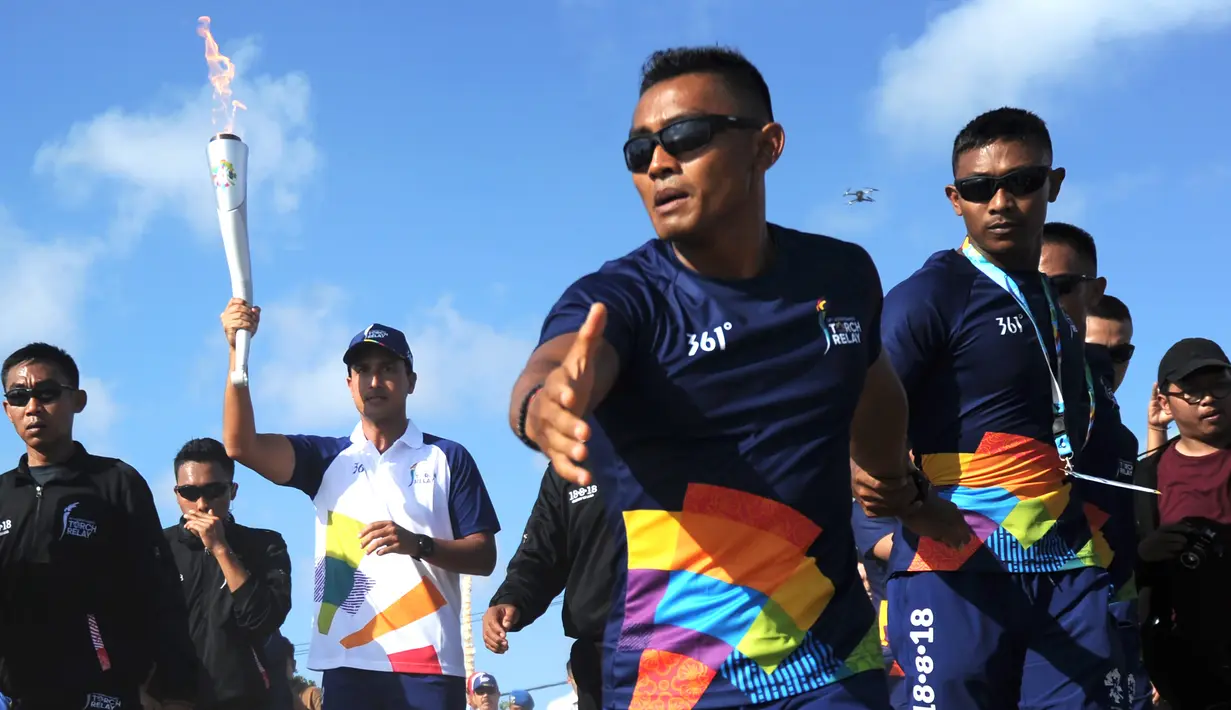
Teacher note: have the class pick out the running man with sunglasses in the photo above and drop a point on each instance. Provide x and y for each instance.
(90, 598)
(236, 581)
(716, 382)
(995, 376)
(1070, 259)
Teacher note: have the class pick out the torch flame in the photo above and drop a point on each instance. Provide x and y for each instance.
(221, 74)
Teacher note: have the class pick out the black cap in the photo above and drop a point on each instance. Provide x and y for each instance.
(1189, 355)
(391, 339)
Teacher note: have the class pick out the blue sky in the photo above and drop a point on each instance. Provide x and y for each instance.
(449, 170)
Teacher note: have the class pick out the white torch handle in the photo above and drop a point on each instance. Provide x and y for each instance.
(228, 158)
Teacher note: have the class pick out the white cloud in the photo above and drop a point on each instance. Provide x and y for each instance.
(989, 53)
(153, 162)
(464, 366)
(35, 310)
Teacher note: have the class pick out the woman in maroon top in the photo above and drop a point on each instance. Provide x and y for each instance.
(1184, 571)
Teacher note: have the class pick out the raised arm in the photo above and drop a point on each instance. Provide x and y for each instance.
(270, 455)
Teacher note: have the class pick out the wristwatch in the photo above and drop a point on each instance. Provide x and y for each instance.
(426, 545)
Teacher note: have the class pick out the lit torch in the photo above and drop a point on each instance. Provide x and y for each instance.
(228, 164)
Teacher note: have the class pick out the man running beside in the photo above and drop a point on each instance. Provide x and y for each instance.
(715, 382)
(995, 377)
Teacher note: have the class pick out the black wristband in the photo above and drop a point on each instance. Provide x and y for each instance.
(521, 418)
(922, 484)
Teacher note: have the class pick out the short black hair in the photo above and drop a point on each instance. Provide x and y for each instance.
(726, 62)
(44, 353)
(1110, 308)
(1073, 236)
(205, 450)
(1002, 124)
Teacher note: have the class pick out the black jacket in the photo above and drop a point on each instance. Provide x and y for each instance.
(230, 629)
(89, 594)
(566, 546)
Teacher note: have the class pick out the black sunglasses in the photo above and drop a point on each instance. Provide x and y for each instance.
(1194, 395)
(1068, 283)
(1122, 353)
(207, 490)
(1019, 183)
(45, 392)
(679, 137)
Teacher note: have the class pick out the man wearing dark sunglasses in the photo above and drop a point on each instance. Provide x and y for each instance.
(1185, 533)
(1109, 324)
(401, 514)
(995, 376)
(89, 595)
(1070, 260)
(236, 581)
(715, 383)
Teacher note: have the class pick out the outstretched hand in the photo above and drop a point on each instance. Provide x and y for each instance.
(554, 419)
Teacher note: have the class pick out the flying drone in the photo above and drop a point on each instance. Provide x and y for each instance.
(864, 195)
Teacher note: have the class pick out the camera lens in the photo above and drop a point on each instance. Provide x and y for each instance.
(1191, 560)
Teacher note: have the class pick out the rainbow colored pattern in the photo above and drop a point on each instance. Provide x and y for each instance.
(1012, 491)
(726, 587)
(341, 586)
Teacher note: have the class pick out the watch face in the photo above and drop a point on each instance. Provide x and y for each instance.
(426, 545)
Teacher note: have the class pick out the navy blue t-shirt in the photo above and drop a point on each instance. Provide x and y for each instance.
(868, 532)
(724, 447)
(981, 417)
(1110, 452)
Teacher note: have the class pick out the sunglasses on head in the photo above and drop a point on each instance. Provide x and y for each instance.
(1019, 183)
(679, 137)
(1122, 353)
(217, 489)
(45, 392)
(1068, 283)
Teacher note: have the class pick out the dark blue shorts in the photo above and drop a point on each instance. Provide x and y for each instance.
(351, 688)
(1137, 681)
(972, 640)
(862, 691)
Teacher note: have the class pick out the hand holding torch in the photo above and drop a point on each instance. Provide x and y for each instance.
(228, 161)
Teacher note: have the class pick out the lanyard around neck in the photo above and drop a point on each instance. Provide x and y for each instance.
(1059, 430)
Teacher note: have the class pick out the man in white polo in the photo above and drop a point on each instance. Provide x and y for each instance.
(400, 514)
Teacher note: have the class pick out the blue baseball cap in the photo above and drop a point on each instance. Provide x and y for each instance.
(522, 699)
(391, 339)
(481, 681)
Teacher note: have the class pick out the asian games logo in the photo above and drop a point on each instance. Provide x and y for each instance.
(820, 318)
(224, 174)
(838, 330)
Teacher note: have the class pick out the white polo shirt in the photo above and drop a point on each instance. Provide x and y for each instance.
(388, 612)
